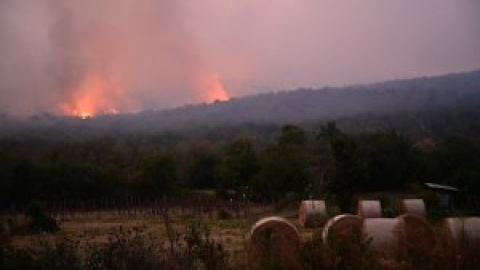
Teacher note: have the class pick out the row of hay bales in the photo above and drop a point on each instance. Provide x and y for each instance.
(313, 213)
(373, 208)
(387, 238)
(405, 234)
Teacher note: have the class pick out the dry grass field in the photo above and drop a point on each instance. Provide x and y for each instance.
(173, 231)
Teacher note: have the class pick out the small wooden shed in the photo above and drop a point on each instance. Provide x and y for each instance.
(444, 196)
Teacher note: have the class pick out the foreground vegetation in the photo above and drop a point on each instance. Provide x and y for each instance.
(179, 242)
(142, 176)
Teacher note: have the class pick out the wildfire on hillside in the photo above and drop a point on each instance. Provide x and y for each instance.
(94, 96)
(213, 88)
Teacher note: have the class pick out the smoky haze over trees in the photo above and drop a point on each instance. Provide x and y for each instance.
(415, 106)
(388, 136)
(102, 57)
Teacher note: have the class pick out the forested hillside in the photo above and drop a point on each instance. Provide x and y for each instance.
(411, 106)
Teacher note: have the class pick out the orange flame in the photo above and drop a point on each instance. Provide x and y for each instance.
(97, 95)
(91, 98)
(214, 89)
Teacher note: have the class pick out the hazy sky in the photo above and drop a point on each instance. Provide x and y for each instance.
(125, 55)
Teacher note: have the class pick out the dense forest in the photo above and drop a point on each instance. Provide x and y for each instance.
(321, 162)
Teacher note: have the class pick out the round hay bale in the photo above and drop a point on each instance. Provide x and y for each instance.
(342, 228)
(419, 237)
(273, 240)
(312, 213)
(412, 206)
(462, 234)
(452, 233)
(369, 209)
(384, 234)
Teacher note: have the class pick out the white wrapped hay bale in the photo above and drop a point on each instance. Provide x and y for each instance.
(274, 238)
(419, 236)
(412, 206)
(369, 209)
(406, 235)
(387, 238)
(462, 234)
(384, 234)
(342, 229)
(312, 213)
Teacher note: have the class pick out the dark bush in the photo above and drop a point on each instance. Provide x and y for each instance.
(39, 221)
(223, 214)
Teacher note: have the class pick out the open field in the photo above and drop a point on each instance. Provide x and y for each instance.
(231, 232)
(98, 227)
(85, 233)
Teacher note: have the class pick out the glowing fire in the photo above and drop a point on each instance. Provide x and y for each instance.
(91, 98)
(97, 95)
(214, 89)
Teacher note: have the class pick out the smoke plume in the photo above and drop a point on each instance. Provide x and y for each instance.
(103, 56)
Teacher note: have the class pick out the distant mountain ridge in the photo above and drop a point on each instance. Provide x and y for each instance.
(333, 102)
(301, 105)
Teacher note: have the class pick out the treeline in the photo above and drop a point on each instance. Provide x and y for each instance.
(296, 161)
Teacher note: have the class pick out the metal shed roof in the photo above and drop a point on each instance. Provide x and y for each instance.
(441, 187)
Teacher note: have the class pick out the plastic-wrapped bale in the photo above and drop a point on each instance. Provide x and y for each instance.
(312, 213)
(462, 234)
(369, 209)
(406, 235)
(342, 229)
(419, 237)
(384, 234)
(273, 240)
(412, 206)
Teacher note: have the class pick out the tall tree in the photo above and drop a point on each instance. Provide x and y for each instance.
(285, 163)
(240, 163)
(390, 160)
(339, 163)
(160, 175)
